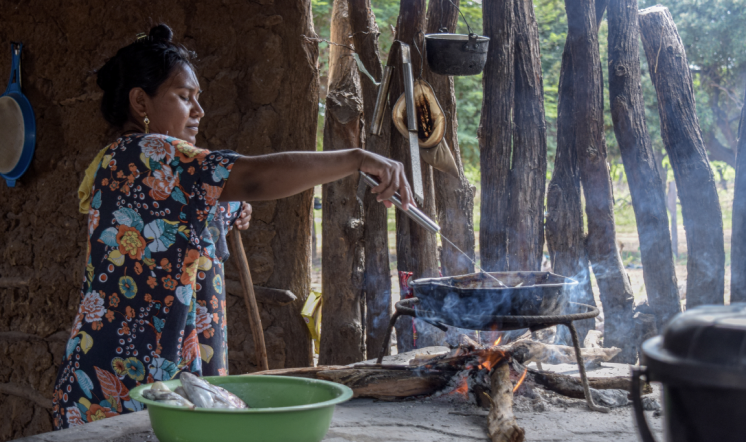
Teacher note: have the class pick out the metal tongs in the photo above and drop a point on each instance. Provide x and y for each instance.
(416, 214)
(383, 93)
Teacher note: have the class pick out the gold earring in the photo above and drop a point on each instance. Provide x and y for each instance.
(147, 122)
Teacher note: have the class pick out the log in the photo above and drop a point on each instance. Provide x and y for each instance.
(613, 284)
(299, 372)
(738, 238)
(264, 295)
(682, 138)
(571, 387)
(377, 283)
(342, 258)
(25, 392)
(454, 197)
(416, 249)
(531, 351)
(502, 424)
(564, 223)
(382, 383)
(647, 190)
(528, 174)
(494, 133)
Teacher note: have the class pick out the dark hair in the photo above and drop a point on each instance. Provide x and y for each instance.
(146, 63)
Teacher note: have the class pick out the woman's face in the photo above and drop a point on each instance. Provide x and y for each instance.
(175, 109)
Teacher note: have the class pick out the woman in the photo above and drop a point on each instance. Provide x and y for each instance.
(153, 303)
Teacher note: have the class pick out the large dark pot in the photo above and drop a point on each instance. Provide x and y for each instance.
(456, 54)
(473, 301)
(701, 361)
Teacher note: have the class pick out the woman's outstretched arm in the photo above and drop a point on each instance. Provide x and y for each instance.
(274, 176)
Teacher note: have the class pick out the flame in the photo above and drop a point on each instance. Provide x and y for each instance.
(520, 381)
(491, 360)
(462, 389)
(499, 339)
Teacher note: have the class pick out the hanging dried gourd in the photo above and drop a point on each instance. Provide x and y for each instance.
(431, 127)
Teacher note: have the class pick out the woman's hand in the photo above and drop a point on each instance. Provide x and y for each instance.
(391, 177)
(244, 219)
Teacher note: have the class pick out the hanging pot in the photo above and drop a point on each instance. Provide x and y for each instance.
(431, 127)
(17, 124)
(456, 54)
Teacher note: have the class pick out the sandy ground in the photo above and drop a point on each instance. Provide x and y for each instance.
(424, 420)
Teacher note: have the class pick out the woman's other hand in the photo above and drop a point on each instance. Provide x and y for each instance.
(391, 177)
(244, 219)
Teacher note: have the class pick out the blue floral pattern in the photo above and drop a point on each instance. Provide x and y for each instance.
(152, 303)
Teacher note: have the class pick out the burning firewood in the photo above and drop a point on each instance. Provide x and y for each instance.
(531, 351)
(502, 424)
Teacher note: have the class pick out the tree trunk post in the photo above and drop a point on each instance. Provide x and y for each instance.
(495, 129)
(529, 168)
(648, 199)
(454, 197)
(674, 222)
(377, 285)
(682, 137)
(738, 238)
(343, 265)
(416, 249)
(564, 225)
(614, 288)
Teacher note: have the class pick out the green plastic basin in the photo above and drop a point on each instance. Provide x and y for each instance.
(283, 409)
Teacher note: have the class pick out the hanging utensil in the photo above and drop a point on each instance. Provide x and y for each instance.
(17, 124)
(414, 144)
(456, 54)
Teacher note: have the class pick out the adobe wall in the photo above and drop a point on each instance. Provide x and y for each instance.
(260, 95)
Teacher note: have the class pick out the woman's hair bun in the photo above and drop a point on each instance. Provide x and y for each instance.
(161, 33)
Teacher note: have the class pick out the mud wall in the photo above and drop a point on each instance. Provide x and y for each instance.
(260, 95)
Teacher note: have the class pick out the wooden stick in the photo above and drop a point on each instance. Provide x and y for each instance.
(26, 392)
(532, 351)
(8, 282)
(502, 424)
(570, 386)
(264, 295)
(255, 321)
(382, 383)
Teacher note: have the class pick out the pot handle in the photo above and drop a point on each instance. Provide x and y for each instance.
(642, 423)
(14, 83)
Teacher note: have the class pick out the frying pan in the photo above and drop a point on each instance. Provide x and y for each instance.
(17, 124)
(473, 301)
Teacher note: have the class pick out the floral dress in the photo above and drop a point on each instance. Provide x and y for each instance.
(153, 299)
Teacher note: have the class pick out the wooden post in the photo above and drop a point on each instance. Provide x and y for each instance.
(613, 284)
(738, 238)
(454, 197)
(377, 284)
(648, 199)
(682, 137)
(528, 173)
(564, 224)
(674, 222)
(343, 261)
(416, 249)
(494, 133)
(255, 320)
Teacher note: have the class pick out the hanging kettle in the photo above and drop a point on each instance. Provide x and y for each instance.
(456, 54)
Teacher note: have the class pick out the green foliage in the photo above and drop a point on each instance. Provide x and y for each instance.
(713, 32)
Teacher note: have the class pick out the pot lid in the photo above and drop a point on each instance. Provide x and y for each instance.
(704, 346)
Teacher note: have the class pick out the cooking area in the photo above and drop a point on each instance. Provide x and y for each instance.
(373, 220)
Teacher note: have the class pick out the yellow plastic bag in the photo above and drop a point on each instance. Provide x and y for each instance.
(311, 313)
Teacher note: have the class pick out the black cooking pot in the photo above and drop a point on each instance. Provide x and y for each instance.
(701, 361)
(473, 301)
(456, 54)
